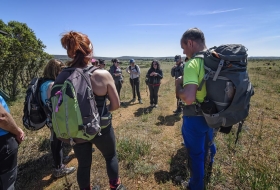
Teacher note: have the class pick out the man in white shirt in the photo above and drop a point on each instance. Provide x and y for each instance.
(134, 71)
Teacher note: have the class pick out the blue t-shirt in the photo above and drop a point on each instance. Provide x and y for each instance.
(4, 104)
(44, 90)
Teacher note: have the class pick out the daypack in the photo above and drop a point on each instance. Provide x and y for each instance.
(227, 84)
(75, 117)
(34, 115)
(136, 67)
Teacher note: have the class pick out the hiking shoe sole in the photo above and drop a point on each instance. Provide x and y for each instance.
(63, 171)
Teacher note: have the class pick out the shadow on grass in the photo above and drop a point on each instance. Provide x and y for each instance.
(178, 168)
(36, 173)
(129, 103)
(168, 120)
(141, 111)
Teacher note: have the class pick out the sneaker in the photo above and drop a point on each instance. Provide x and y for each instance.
(156, 105)
(63, 171)
(140, 102)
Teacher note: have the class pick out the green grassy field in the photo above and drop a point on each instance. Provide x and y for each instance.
(149, 142)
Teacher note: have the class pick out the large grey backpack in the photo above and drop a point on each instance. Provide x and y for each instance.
(227, 84)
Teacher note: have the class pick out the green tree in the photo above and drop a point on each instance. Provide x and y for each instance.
(22, 57)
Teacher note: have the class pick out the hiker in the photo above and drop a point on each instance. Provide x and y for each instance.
(154, 76)
(134, 72)
(197, 135)
(95, 62)
(80, 49)
(116, 72)
(102, 63)
(10, 138)
(177, 71)
(51, 71)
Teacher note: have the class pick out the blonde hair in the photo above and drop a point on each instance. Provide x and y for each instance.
(78, 47)
(53, 68)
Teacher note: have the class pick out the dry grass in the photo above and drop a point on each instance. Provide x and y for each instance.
(149, 143)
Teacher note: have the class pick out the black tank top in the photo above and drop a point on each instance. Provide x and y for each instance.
(101, 104)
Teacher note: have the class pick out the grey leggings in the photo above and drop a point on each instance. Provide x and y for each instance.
(106, 143)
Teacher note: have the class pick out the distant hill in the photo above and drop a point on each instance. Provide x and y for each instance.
(265, 57)
(65, 57)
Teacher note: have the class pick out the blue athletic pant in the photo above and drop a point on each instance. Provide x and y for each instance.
(198, 139)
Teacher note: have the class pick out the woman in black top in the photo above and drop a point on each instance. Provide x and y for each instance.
(116, 73)
(154, 76)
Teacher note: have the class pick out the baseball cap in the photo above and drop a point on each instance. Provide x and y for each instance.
(177, 57)
(131, 61)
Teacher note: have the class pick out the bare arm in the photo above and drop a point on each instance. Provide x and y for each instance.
(103, 84)
(8, 124)
(128, 70)
(188, 93)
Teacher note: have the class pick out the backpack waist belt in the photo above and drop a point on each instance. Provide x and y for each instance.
(192, 110)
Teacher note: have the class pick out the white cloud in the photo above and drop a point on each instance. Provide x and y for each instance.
(213, 12)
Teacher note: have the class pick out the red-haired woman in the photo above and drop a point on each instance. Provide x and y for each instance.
(80, 49)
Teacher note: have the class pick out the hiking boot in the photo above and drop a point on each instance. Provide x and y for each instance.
(63, 171)
(152, 105)
(133, 99)
(140, 101)
(120, 187)
(156, 105)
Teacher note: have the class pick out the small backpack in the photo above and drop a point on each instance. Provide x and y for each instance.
(34, 115)
(228, 87)
(136, 67)
(75, 117)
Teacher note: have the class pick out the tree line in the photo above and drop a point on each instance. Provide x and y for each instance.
(22, 57)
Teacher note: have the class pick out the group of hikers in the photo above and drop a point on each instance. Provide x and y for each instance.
(197, 135)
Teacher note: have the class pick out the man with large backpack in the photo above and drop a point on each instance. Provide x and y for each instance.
(134, 71)
(197, 135)
(217, 91)
(10, 137)
(177, 71)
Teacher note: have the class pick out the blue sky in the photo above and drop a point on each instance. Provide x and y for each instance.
(150, 27)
